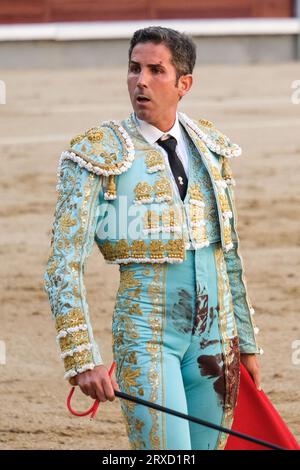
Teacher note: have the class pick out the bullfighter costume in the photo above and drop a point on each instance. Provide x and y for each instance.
(182, 314)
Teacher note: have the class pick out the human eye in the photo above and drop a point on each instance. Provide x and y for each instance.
(157, 70)
(134, 68)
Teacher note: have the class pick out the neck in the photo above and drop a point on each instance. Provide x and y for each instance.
(165, 125)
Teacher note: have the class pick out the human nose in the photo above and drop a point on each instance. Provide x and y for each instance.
(142, 79)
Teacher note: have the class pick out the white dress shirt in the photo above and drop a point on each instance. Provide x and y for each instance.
(152, 134)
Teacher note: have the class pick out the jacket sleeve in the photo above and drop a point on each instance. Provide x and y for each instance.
(243, 310)
(73, 232)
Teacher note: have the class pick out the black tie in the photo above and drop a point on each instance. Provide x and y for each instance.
(169, 145)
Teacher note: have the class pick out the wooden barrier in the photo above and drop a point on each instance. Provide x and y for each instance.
(43, 11)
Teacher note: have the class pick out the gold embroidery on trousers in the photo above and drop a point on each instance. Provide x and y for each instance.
(229, 346)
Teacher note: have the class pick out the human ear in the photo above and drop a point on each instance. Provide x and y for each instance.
(185, 83)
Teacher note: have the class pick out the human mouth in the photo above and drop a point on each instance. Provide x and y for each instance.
(142, 99)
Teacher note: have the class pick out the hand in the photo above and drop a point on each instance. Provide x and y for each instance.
(251, 363)
(96, 384)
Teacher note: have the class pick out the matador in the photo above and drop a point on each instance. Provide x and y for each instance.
(154, 191)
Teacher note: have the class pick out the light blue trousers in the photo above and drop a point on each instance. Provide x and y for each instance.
(175, 343)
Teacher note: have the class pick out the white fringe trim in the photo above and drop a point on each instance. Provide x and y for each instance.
(64, 333)
(252, 311)
(152, 230)
(163, 198)
(222, 184)
(109, 197)
(123, 132)
(165, 259)
(195, 202)
(235, 151)
(199, 223)
(228, 247)
(162, 229)
(227, 215)
(72, 372)
(67, 155)
(71, 352)
(143, 201)
(202, 244)
(256, 330)
(156, 168)
(230, 182)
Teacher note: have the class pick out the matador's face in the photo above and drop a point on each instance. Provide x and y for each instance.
(152, 85)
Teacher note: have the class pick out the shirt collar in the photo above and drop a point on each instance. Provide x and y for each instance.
(152, 133)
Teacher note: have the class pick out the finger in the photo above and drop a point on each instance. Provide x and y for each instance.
(257, 379)
(100, 392)
(251, 373)
(93, 393)
(88, 390)
(84, 388)
(73, 381)
(255, 375)
(115, 385)
(108, 389)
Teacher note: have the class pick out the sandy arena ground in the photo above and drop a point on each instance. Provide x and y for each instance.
(45, 108)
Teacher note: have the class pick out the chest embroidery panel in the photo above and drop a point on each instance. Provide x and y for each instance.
(203, 212)
(212, 163)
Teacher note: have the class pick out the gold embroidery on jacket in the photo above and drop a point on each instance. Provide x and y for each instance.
(197, 216)
(227, 172)
(156, 249)
(224, 203)
(227, 235)
(104, 143)
(122, 249)
(169, 220)
(163, 189)
(206, 123)
(78, 360)
(73, 318)
(151, 221)
(215, 172)
(195, 193)
(138, 249)
(154, 161)
(108, 250)
(220, 192)
(94, 134)
(77, 139)
(66, 222)
(143, 193)
(176, 249)
(69, 232)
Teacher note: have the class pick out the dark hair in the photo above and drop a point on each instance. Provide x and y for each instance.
(182, 47)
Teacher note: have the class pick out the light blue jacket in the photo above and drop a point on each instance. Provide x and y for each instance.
(114, 189)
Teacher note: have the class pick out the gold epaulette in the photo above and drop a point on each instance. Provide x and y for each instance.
(106, 150)
(216, 141)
